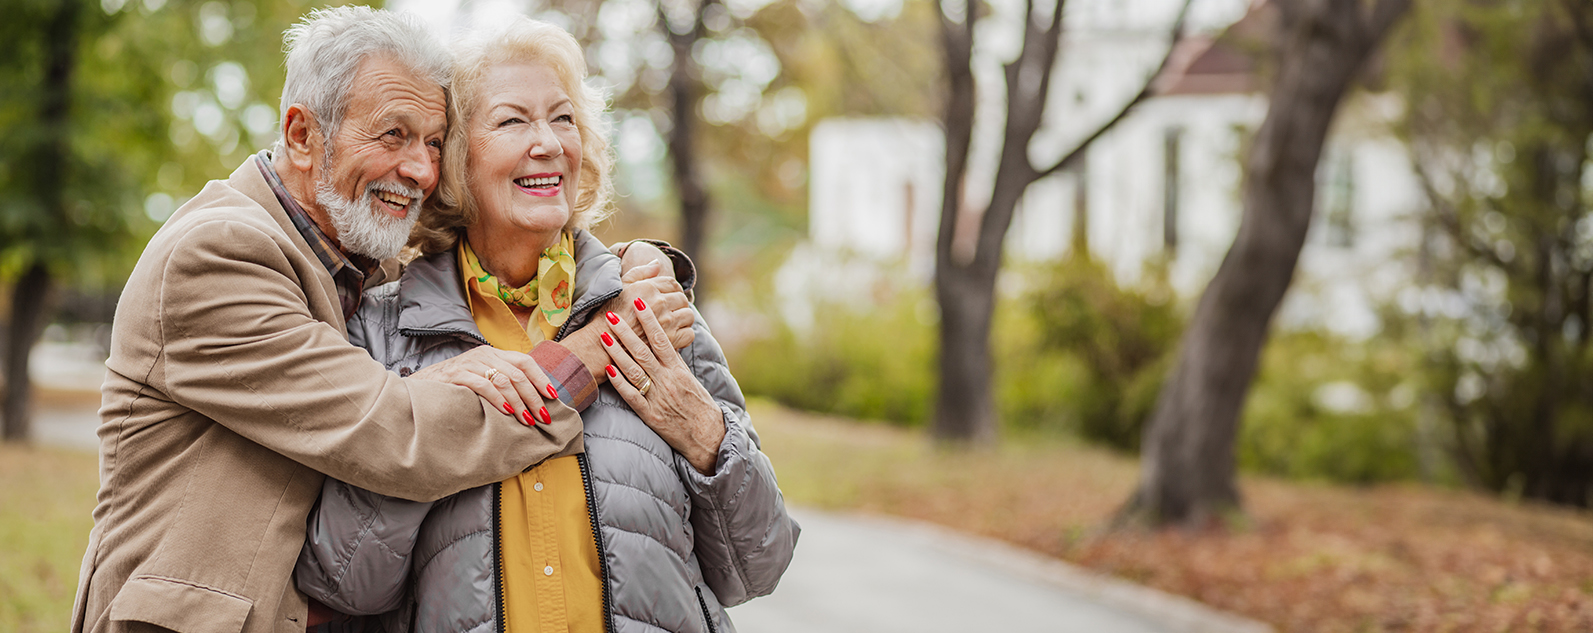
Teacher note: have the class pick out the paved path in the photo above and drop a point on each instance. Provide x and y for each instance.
(875, 574)
(860, 574)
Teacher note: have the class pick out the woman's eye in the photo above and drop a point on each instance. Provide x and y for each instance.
(564, 118)
(510, 121)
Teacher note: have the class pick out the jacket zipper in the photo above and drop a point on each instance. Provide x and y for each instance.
(707, 617)
(497, 554)
(597, 541)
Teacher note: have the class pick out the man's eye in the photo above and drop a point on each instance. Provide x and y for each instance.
(395, 132)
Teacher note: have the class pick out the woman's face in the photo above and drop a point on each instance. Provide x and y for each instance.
(525, 152)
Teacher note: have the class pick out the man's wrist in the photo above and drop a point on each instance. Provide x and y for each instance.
(585, 345)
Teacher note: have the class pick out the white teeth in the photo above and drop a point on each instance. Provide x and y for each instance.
(393, 198)
(533, 183)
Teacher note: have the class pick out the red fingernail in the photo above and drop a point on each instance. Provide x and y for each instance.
(613, 318)
(640, 305)
(553, 393)
(508, 410)
(612, 373)
(608, 340)
(526, 416)
(546, 419)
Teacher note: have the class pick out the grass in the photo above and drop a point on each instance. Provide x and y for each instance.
(46, 497)
(1310, 557)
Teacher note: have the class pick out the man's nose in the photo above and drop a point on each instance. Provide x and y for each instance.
(417, 166)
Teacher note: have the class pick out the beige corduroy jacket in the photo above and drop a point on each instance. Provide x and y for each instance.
(231, 392)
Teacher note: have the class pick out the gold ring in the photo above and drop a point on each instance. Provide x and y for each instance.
(647, 383)
(492, 372)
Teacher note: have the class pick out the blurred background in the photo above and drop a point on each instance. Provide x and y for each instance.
(1279, 305)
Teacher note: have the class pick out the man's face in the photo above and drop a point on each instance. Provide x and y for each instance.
(384, 159)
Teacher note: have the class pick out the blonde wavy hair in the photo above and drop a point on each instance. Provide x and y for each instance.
(521, 40)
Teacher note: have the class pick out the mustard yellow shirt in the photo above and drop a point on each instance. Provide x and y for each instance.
(548, 559)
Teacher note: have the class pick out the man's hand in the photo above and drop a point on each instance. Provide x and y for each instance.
(655, 286)
(510, 382)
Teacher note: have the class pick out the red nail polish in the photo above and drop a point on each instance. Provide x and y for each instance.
(613, 318)
(612, 373)
(553, 393)
(640, 305)
(526, 416)
(508, 410)
(546, 419)
(607, 340)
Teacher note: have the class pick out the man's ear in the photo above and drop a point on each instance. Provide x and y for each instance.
(301, 137)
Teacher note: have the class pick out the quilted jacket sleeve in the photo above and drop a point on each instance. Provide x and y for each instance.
(357, 549)
(745, 539)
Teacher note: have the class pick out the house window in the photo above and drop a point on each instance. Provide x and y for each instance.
(1171, 178)
(1338, 199)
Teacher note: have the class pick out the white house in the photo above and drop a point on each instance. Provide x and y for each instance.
(1161, 186)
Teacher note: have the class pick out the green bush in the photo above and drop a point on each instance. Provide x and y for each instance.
(1293, 427)
(1119, 339)
(1081, 356)
(871, 364)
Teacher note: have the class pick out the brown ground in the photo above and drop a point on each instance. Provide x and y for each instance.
(1311, 557)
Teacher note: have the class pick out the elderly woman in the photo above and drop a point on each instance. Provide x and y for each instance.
(669, 512)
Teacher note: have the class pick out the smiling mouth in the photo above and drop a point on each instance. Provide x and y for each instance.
(542, 186)
(399, 203)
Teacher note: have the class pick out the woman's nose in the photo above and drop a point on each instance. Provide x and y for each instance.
(544, 143)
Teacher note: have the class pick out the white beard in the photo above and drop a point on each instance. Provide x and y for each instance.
(362, 228)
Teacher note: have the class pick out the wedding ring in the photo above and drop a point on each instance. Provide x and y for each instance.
(647, 383)
(492, 372)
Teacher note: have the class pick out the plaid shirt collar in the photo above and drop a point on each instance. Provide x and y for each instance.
(348, 272)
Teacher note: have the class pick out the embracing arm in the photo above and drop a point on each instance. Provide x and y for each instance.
(241, 346)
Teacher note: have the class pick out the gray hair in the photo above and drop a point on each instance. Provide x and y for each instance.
(326, 48)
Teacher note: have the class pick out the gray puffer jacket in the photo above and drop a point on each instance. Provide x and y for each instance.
(676, 546)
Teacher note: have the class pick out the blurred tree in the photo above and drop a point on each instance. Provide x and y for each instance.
(736, 89)
(965, 279)
(1500, 124)
(1187, 462)
(108, 113)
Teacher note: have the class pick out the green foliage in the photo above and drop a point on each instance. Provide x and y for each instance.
(160, 100)
(1327, 408)
(1119, 336)
(1500, 129)
(869, 364)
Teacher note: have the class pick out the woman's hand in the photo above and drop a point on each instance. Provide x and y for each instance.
(655, 381)
(510, 381)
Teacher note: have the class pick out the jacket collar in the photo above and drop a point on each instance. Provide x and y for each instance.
(431, 297)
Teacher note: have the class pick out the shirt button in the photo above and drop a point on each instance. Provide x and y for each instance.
(547, 571)
(537, 487)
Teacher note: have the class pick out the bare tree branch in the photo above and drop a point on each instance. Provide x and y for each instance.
(1178, 33)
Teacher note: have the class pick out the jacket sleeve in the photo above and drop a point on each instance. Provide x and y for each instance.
(744, 538)
(241, 346)
(357, 549)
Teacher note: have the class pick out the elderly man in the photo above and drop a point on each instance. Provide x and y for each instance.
(232, 390)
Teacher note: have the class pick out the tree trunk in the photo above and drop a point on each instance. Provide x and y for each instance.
(1188, 466)
(685, 90)
(30, 298)
(29, 303)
